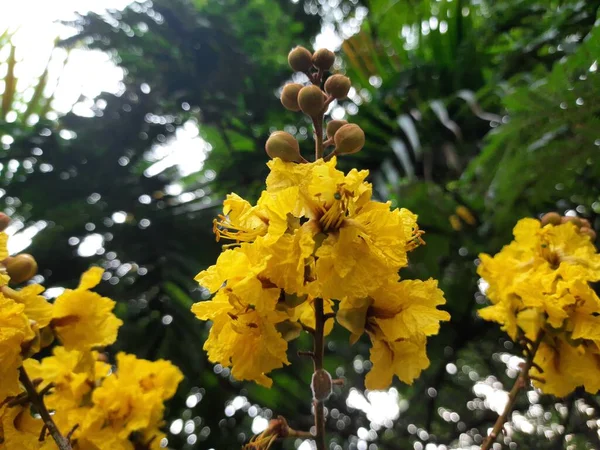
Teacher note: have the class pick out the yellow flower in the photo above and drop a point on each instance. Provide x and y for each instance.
(314, 233)
(565, 367)
(539, 283)
(83, 319)
(364, 252)
(14, 332)
(129, 400)
(4, 278)
(528, 272)
(20, 430)
(37, 308)
(244, 338)
(160, 377)
(405, 358)
(398, 317)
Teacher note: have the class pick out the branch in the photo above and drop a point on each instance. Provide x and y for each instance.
(38, 402)
(520, 383)
(319, 350)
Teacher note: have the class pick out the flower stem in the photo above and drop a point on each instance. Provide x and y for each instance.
(319, 350)
(521, 382)
(318, 124)
(38, 402)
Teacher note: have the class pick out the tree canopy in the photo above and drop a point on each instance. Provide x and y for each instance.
(476, 114)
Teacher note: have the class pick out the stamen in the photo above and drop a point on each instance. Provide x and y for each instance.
(223, 228)
(415, 241)
(335, 215)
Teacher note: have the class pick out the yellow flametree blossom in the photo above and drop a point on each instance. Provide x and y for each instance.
(315, 232)
(539, 286)
(100, 407)
(83, 319)
(15, 332)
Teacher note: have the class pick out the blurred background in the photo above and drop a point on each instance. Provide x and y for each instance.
(122, 129)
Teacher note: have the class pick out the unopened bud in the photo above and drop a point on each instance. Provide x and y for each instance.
(4, 221)
(333, 126)
(350, 138)
(321, 385)
(551, 218)
(289, 96)
(311, 100)
(20, 268)
(283, 145)
(588, 232)
(338, 86)
(323, 59)
(585, 223)
(574, 220)
(300, 59)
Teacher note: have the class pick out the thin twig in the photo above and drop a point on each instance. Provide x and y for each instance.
(38, 402)
(307, 328)
(521, 382)
(70, 434)
(42, 437)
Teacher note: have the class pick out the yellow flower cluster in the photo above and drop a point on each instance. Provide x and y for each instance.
(539, 283)
(316, 233)
(106, 408)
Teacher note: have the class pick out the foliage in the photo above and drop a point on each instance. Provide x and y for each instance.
(461, 111)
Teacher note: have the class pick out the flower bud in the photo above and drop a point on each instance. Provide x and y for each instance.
(321, 385)
(21, 267)
(311, 100)
(588, 232)
(4, 221)
(283, 145)
(300, 59)
(323, 59)
(333, 126)
(552, 218)
(338, 86)
(574, 220)
(350, 138)
(289, 96)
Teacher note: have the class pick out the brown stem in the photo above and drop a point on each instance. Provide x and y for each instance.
(319, 351)
(38, 402)
(299, 434)
(318, 124)
(521, 382)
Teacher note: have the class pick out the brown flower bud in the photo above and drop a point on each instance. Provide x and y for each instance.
(311, 100)
(551, 217)
(588, 232)
(338, 86)
(300, 59)
(283, 145)
(4, 221)
(289, 96)
(323, 59)
(333, 126)
(21, 267)
(321, 385)
(350, 138)
(574, 220)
